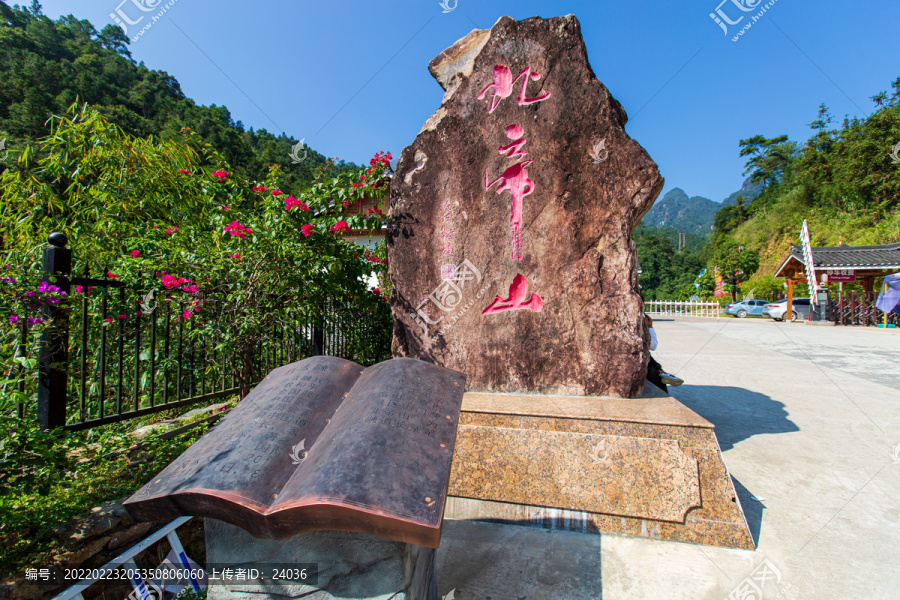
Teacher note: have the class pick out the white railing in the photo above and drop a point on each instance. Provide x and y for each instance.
(684, 309)
(125, 560)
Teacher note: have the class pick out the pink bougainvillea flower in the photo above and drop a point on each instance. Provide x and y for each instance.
(156, 227)
(276, 192)
(224, 208)
(123, 316)
(307, 229)
(185, 171)
(291, 202)
(13, 319)
(109, 320)
(236, 255)
(238, 230)
(112, 275)
(258, 188)
(340, 226)
(135, 253)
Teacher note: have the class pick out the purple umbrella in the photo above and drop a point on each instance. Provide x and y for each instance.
(889, 297)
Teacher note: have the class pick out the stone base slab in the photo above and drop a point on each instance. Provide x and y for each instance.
(350, 566)
(647, 467)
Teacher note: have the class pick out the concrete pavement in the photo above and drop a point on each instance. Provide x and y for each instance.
(808, 419)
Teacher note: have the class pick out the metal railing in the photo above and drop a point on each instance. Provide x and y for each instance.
(858, 308)
(682, 308)
(114, 358)
(126, 561)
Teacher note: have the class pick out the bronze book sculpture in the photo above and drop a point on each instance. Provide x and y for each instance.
(323, 444)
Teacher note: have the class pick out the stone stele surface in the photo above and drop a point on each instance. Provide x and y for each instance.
(350, 565)
(510, 251)
(647, 466)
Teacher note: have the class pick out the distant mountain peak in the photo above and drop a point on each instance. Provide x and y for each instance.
(694, 214)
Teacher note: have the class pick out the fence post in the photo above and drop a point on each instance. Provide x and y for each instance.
(318, 335)
(52, 380)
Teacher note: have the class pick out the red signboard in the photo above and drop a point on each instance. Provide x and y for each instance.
(841, 276)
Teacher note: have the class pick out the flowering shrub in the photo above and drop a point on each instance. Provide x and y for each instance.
(340, 226)
(238, 230)
(291, 202)
(232, 296)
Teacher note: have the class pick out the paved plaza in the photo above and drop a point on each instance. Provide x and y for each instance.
(808, 419)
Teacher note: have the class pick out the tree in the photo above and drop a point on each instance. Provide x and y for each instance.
(664, 271)
(770, 159)
(47, 65)
(735, 264)
(233, 257)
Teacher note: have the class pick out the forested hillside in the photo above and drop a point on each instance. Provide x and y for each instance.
(688, 214)
(47, 65)
(844, 181)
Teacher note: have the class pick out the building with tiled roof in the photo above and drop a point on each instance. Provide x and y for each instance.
(864, 263)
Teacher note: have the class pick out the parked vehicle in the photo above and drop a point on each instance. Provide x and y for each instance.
(799, 309)
(746, 307)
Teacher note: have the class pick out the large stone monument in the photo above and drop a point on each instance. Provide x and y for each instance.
(510, 251)
(511, 260)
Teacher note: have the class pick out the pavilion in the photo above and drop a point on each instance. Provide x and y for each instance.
(842, 264)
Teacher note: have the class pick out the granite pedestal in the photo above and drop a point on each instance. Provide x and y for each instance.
(350, 565)
(646, 466)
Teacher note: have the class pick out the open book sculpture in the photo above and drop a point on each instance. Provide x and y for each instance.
(323, 444)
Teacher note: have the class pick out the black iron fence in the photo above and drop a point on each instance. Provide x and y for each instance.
(121, 354)
(858, 308)
(852, 308)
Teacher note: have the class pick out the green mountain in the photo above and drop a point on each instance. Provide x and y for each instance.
(748, 192)
(688, 214)
(696, 214)
(47, 65)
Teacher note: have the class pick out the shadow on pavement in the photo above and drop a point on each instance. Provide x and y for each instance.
(753, 509)
(737, 413)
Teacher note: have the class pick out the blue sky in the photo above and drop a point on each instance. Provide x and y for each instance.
(351, 78)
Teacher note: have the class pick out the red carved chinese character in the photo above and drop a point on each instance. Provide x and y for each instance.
(518, 299)
(502, 82)
(515, 179)
(514, 150)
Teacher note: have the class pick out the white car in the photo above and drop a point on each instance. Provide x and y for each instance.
(799, 309)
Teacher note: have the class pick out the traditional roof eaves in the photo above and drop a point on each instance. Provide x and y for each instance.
(880, 257)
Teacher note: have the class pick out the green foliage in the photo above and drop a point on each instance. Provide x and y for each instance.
(27, 515)
(665, 271)
(30, 459)
(735, 264)
(693, 215)
(706, 283)
(693, 242)
(236, 257)
(770, 159)
(47, 65)
(762, 286)
(843, 182)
